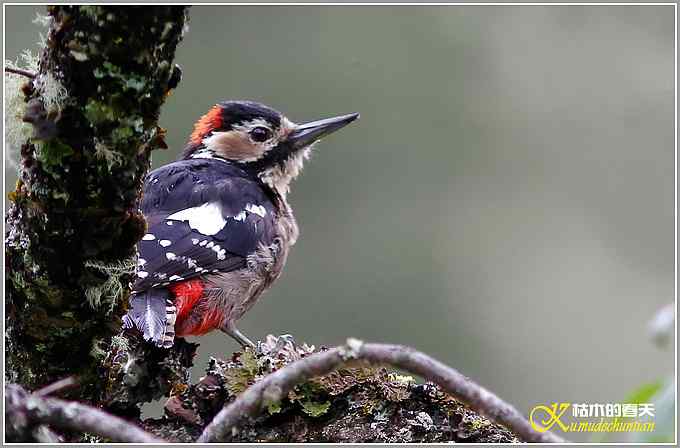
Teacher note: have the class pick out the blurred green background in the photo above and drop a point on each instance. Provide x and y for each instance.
(504, 204)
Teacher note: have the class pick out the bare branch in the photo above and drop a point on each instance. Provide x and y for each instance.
(275, 386)
(55, 387)
(18, 71)
(24, 409)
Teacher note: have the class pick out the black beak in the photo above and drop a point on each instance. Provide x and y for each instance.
(307, 133)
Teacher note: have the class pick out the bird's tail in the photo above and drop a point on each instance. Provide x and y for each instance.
(153, 313)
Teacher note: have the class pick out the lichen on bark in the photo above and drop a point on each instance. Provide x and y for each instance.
(94, 106)
(355, 404)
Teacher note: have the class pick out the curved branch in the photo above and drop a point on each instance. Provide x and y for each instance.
(275, 386)
(30, 408)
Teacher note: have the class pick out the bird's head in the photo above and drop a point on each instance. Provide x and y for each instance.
(260, 139)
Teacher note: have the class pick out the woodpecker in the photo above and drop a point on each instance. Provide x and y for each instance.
(219, 223)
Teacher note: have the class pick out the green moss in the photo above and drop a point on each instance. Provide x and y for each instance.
(41, 291)
(237, 379)
(312, 398)
(98, 112)
(272, 406)
(121, 134)
(126, 81)
(97, 352)
(53, 152)
(118, 108)
(315, 409)
(479, 423)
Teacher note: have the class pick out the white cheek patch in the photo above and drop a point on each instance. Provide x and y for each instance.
(206, 219)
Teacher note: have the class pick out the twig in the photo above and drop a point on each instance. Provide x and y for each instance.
(276, 385)
(24, 407)
(18, 71)
(56, 386)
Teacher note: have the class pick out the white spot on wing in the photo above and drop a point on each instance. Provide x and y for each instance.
(241, 216)
(165, 243)
(142, 274)
(170, 256)
(175, 277)
(257, 209)
(141, 262)
(206, 218)
(149, 237)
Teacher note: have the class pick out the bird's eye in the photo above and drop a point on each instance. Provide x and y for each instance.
(260, 134)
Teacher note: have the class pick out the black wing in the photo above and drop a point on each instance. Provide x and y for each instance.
(204, 216)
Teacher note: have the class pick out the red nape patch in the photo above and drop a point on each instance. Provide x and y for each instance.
(186, 295)
(208, 122)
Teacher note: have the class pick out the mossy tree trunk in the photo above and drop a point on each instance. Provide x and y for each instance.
(73, 222)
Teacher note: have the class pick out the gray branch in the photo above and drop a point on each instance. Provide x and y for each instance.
(275, 386)
(24, 411)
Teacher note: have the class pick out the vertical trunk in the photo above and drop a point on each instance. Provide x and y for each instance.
(73, 221)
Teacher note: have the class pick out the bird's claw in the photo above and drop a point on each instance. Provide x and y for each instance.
(277, 344)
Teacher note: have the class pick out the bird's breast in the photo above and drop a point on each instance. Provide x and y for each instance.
(216, 299)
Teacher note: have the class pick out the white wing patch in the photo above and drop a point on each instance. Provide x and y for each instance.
(257, 209)
(206, 218)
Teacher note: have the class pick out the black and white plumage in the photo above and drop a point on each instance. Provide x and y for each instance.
(219, 227)
(204, 216)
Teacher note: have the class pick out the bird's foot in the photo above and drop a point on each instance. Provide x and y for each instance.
(283, 344)
(284, 341)
(239, 337)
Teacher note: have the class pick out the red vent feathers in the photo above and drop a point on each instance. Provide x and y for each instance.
(208, 122)
(186, 295)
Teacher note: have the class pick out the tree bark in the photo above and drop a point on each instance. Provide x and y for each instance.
(73, 222)
(356, 400)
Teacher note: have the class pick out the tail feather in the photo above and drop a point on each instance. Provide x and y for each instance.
(152, 312)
